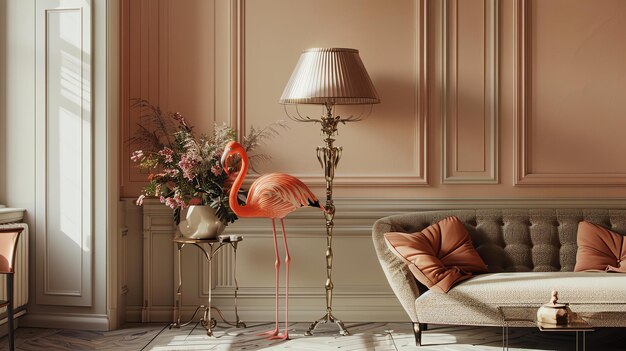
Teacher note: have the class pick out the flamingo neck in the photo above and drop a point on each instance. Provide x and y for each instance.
(234, 190)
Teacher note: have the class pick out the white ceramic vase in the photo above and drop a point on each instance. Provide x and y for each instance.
(201, 222)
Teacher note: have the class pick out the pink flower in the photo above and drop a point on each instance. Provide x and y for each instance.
(162, 199)
(137, 156)
(187, 164)
(167, 153)
(171, 202)
(216, 169)
(179, 201)
(140, 200)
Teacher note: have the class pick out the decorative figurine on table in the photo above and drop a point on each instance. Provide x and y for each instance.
(553, 312)
(272, 196)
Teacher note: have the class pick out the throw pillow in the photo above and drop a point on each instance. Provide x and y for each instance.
(599, 249)
(440, 255)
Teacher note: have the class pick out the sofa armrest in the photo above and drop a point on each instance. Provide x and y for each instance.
(400, 279)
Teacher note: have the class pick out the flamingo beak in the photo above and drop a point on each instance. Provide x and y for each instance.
(224, 160)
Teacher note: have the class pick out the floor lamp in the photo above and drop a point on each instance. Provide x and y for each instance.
(329, 77)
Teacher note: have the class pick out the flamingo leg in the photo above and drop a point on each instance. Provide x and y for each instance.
(272, 333)
(285, 335)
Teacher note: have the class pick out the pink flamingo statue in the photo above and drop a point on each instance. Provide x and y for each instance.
(272, 196)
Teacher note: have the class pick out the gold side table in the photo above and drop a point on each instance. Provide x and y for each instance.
(209, 248)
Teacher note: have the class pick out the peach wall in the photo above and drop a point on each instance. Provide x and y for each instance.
(485, 103)
(574, 88)
(515, 98)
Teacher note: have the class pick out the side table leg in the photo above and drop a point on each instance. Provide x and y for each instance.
(506, 335)
(178, 304)
(206, 321)
(581, 341)
(209, 321)
(238, 322)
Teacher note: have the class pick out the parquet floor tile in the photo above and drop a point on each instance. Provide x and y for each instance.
(363, 336)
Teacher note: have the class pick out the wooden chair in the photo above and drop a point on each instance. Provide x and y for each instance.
(8, 245)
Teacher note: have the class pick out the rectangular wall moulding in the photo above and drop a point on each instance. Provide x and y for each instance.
(168, 57)
(140, 66)
(64, 148)
(470, 91)
(246, 77)
(569, 96)
(159, 263)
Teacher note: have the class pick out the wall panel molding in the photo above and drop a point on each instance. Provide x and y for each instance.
(64, 145)
(238, 67)
(170, 61)
(122, 249)
(141, 60)
(159, 263)
(523, 171)
(487, 173)
(95, 322)
(420, 177)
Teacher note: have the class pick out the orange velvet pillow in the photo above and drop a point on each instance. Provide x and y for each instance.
(440, 255)
(599, 249)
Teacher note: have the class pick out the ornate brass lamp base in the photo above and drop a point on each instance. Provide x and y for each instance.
(327, 318)
(329, 156)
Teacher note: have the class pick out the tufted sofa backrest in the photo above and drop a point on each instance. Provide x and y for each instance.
(519, 240)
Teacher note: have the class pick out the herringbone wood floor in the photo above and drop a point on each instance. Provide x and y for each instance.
(363, 336)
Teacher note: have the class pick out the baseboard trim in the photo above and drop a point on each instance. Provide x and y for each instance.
(352, 314)
(93, 322)
(133, 314)
(301, 309)
(300, 315)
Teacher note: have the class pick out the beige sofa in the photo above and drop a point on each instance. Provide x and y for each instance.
(529, 253)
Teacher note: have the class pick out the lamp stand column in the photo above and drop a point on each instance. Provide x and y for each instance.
(328, 156)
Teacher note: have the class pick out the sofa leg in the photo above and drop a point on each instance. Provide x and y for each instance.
(418, 334)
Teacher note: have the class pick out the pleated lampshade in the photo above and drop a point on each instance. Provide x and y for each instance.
(333, 76)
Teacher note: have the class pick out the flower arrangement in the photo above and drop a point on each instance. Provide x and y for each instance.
(184, 169)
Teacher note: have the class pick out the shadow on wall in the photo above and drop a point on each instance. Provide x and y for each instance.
(393, 91)
(3, 44)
